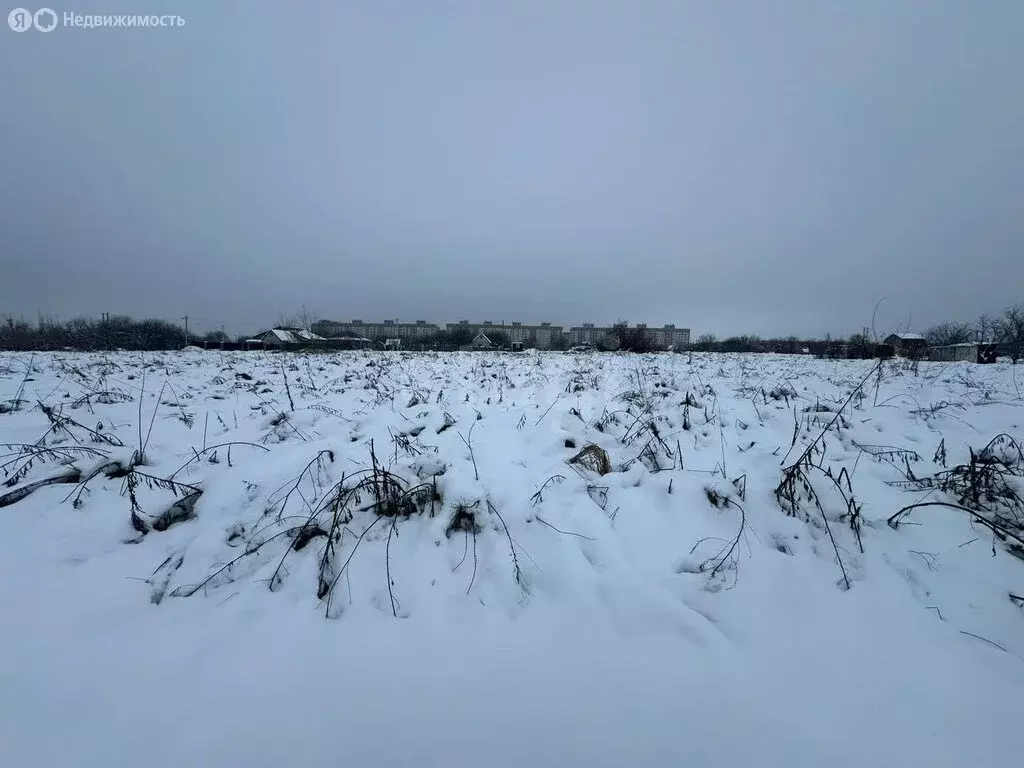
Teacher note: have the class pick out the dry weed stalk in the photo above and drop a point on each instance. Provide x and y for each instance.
(985, 487)
(797, 486)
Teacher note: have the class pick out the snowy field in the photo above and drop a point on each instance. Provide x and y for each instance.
(390, 559)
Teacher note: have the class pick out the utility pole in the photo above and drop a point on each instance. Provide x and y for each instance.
(186, 330)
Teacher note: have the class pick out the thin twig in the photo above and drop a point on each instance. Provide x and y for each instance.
(559, 530)
(473, 577)
(983, 639)
(387, 564)
(330, 591)
(511, 546)
(469, 444)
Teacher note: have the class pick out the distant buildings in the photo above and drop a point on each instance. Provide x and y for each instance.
(665, 337)
(408, 333)
(542, 335)
(516, 336)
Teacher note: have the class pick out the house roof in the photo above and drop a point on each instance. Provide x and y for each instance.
(290, 335)
(481, 337)
(909, 336)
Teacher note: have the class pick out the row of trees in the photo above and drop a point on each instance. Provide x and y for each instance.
(110, 332)
(1005, 330)
(791, 345)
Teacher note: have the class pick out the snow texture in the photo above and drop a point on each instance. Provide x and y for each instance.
(502, 604)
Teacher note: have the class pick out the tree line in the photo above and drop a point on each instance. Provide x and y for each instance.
(1005, 330)
(110, 332)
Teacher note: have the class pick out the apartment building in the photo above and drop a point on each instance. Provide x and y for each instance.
(587, 333)
(541, 336)
(409, 333)
(665, 337)
(669, 336)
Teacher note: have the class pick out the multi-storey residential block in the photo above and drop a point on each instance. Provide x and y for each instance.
(669, 336)
(666, 337)
(541, 336)
(409, 333)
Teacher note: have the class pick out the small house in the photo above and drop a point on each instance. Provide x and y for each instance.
(284, 338)
(480, 341)
(911, 345)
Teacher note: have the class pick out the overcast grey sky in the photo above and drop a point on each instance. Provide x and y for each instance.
(762, 167)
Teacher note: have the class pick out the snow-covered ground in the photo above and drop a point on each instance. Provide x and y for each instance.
(389, 559)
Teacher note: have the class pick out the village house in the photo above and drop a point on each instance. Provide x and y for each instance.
(284, 338)
(912, 345)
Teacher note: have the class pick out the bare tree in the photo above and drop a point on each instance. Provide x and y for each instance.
(609, 342)
(860, 347)
(1009, 332)
(308, 319)
(949, 333)
(635, 339)
(984, 329)
(304, 319)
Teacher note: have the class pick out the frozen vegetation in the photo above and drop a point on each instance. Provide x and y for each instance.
(508, 560)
